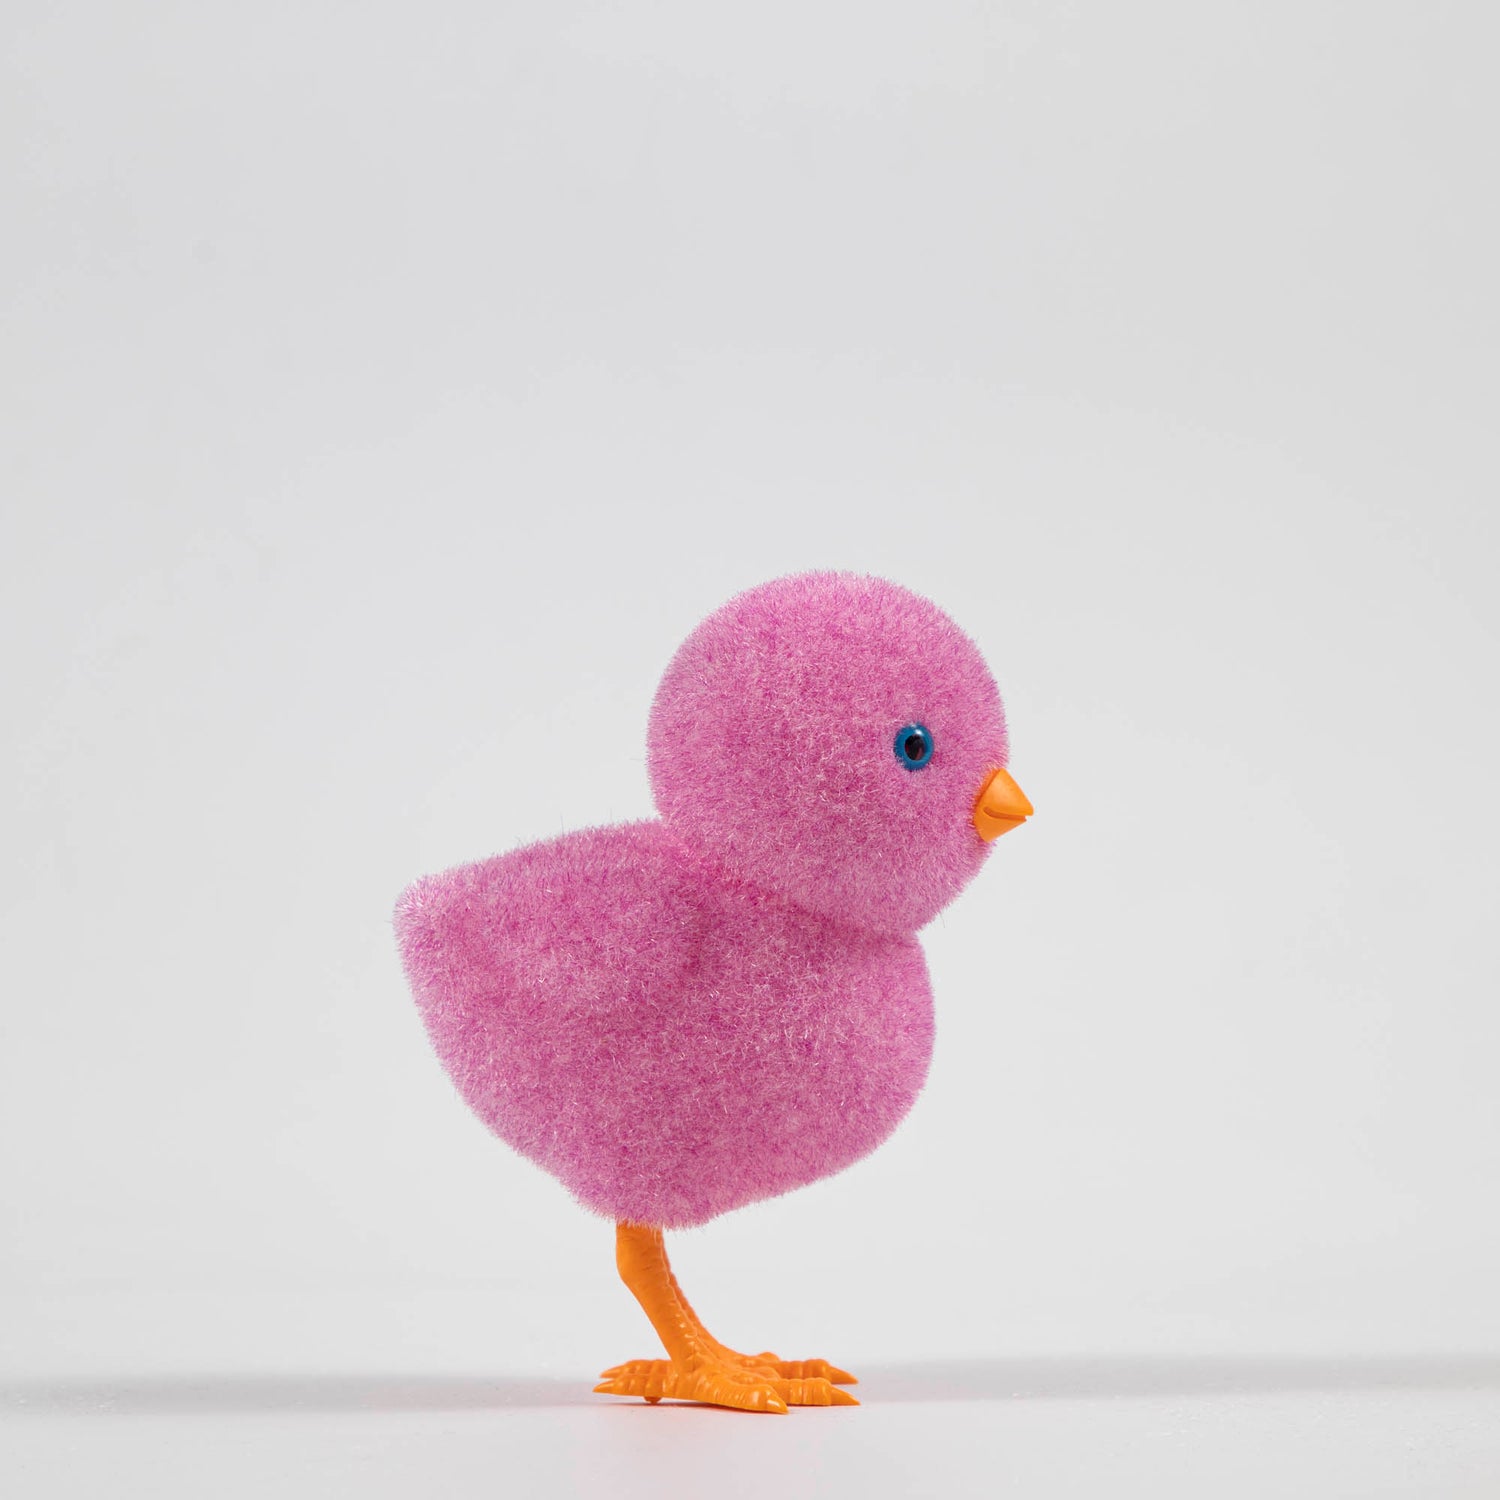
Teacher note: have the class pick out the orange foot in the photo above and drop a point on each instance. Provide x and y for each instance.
(790, 1382)
(700, 1367)
(719, 1383)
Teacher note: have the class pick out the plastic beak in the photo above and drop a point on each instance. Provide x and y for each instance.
(1002, 805)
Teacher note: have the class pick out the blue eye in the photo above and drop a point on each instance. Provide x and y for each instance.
(914, 746)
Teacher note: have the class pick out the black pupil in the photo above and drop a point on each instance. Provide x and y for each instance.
(915, 746)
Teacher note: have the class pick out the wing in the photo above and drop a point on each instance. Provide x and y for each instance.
(534, 969)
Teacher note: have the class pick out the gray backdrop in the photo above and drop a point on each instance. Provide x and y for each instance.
(389, 389)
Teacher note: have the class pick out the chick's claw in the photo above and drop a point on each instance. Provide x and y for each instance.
(814, 1392)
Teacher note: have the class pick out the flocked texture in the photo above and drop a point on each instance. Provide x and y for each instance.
(771, 747)
(679, 1017)
(667, 1046)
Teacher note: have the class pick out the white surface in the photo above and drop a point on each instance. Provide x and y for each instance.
(1231, 1429)
(386, 395)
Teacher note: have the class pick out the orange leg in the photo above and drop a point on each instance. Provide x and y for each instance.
(790, 1369)
(699, 1367)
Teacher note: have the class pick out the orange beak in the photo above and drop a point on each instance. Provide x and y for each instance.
(1002, 805)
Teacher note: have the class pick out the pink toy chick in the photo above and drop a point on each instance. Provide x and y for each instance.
(680, 1016)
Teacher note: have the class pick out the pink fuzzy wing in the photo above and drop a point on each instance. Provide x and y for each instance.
(532, 970)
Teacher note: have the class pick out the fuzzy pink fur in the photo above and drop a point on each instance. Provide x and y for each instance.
(679, 1017)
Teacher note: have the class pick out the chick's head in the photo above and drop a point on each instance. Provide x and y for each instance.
(826, 737)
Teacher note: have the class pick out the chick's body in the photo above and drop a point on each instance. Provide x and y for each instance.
(669, 1044)
(682, 1016)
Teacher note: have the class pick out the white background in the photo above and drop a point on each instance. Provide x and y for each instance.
(388, 389)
